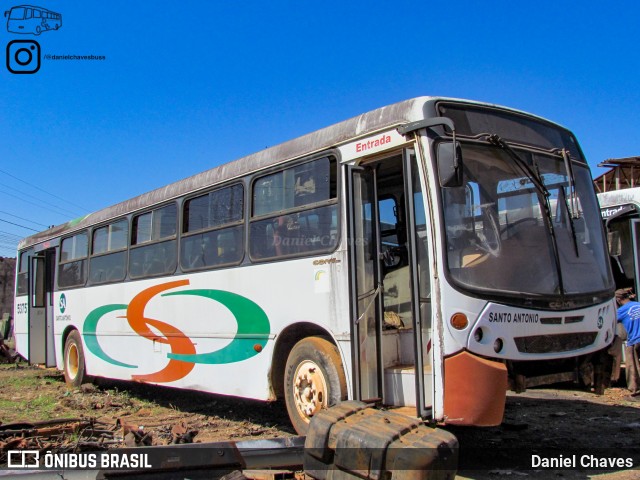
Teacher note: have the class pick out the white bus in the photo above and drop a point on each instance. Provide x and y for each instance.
(451, 238)
(621, 214)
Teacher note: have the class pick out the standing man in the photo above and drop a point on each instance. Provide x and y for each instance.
(629, 316)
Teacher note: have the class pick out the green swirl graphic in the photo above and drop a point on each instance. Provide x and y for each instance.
(91, 338)
(253, 328)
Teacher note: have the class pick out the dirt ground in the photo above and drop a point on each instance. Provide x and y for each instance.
(563, 420)
(552, 422)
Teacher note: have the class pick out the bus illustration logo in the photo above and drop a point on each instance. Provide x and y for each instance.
(30, 19)
(250, 338)
(62, 303)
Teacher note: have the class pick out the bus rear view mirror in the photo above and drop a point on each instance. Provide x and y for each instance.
(449, 164)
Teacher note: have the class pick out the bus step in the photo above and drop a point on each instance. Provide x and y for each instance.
(400, 385)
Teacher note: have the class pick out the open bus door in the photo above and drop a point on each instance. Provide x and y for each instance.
(390, 287)
(41, 315)
(635, 235)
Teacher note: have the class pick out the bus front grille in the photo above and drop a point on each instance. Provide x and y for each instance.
(563, 342)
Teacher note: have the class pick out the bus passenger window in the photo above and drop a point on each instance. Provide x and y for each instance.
(108, 253)
(23, 273)
(294, 211)
(73, 254)
(153, 243)
(213, 230)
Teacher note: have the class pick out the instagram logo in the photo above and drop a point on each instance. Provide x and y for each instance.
(23, 56)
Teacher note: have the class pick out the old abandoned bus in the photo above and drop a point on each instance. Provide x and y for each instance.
(414, 256)
(621, 214)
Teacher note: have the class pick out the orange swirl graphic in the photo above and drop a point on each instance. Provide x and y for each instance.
(176, 339)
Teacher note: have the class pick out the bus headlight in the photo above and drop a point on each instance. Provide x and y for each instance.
(497, 345)
(478, 335)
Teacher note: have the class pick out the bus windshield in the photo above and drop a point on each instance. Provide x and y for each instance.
(17, 13)
(504, 236)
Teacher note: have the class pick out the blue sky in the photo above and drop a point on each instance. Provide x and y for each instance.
(188, 85)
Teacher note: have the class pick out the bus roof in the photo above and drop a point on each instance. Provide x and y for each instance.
(33, 7)
(619, 197)
(365, 124)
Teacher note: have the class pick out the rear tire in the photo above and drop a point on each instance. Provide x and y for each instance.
(314, 379)
(74, 367)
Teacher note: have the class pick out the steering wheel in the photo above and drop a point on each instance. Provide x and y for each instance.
(491, 243)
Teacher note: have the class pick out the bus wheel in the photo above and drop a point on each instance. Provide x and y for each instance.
(314, 379)
(74, 368)
(38, 30)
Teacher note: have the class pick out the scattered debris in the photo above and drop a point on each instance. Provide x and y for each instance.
(180, 433)
(64, 435)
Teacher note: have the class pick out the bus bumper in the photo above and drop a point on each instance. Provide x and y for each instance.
(474, 390)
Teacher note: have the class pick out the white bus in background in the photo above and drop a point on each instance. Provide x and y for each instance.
(621, 214)
(418, 256)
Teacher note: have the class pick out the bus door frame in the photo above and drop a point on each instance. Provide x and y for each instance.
(372, 298)
(409, 158)
(41, 306)
(635, 237)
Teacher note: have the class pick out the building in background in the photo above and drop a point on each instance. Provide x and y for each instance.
(624, 173)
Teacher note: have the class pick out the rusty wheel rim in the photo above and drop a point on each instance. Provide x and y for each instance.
(72, 361)
(310, 390)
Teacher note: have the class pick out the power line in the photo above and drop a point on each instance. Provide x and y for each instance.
(9, 234)
(83, 209)
(71, 212)
(18, 225)
(62, 214)
(25, 219)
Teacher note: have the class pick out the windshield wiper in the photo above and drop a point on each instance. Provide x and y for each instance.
(568, 166)
(526, 169)
(536, 179)
(570, 218)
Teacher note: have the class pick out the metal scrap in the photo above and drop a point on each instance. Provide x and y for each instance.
(134, 435)
(180, 434)
(63, 435)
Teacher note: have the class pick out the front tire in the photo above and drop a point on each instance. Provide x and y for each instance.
(314, 380)
(74, 367)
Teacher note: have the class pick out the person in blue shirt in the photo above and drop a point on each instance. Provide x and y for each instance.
(629, 316)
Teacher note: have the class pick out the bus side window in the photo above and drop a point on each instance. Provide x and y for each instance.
(213, 229)
(153, 242)
(108, 252)
(295, 210)
(73, 257)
